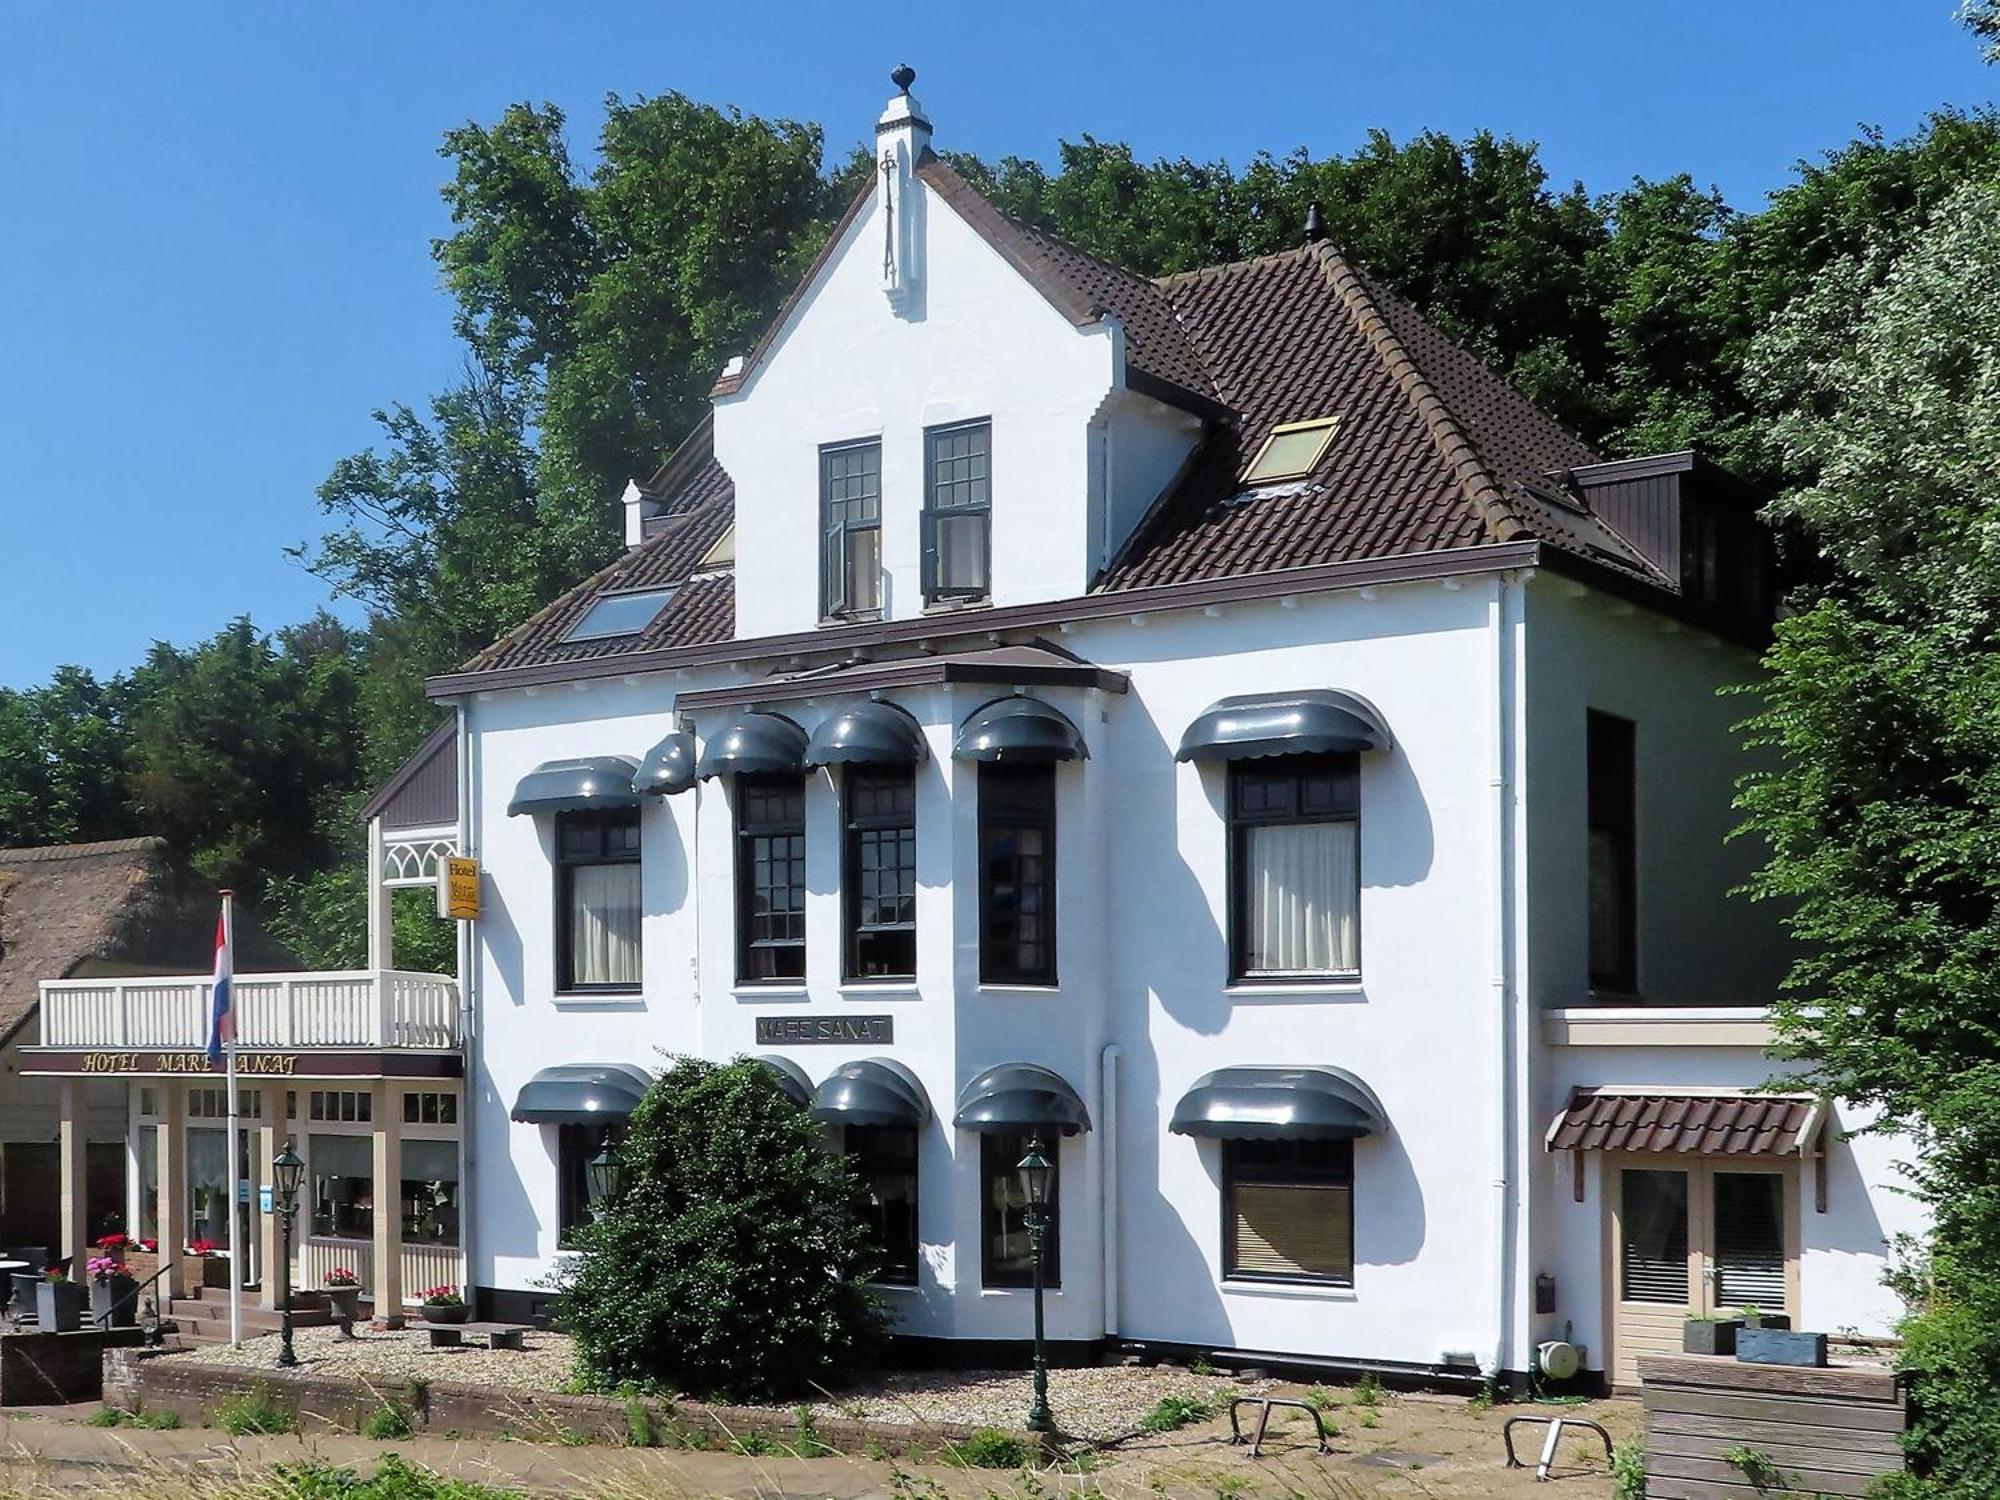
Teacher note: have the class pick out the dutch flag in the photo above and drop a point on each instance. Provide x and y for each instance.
(222, 1024)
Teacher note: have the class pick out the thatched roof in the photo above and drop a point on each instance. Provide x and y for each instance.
(127, 906)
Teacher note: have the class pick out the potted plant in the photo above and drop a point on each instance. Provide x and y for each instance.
(111, 1301)
(214, 1262)
(1754, 1316)
(1710, 1333)
(443, 1304)
(343, 1290)
(1781, 1346)
(58, 1302)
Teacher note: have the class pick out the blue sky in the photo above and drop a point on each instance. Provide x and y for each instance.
(215, 218)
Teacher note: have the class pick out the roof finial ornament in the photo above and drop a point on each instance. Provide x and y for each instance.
(903, 76)
(1315, 223)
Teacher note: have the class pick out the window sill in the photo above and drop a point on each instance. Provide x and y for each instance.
(837, 622)
(1018, 1291)
(1282, 989)
(1318, 1291)
(905, 1287)
(879, 989)
(621, 999)
(788, 992)
(956, 606)
(1020, 989)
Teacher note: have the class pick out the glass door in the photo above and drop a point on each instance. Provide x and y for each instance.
(1656, 1267)
(1747, 1261)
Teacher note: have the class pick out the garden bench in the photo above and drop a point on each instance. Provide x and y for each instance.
(1265, 1403)
(497, 1335)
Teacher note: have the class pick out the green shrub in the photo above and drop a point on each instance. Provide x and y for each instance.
(1172, 1412)
(639, 1431)
(1367, 1391)
(251, 1413)
(990, 1448)
(752, 1445)
(1628, 1470)
(156, 1421)
(808, 1444)
(393, 1479)
(387, 1422)
(736, 1260)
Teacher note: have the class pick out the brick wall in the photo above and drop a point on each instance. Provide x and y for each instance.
(49, 1369)
(146, 1380)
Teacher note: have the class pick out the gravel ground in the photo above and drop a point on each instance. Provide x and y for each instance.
(394, 1358)
(1097, 1403)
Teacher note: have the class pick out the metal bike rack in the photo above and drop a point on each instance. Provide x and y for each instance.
(1549, 1443)
(1265, 1403)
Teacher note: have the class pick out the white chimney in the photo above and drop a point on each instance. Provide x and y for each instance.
(902, 136)
(638, 507)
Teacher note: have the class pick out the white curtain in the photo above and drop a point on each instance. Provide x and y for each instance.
(604, 924)
(1304, 897)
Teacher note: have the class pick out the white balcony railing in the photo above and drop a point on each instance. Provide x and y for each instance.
(370, 1008)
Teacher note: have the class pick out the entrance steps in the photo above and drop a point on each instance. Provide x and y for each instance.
(204, 1317)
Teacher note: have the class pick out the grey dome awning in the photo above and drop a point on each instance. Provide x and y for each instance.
(668, 767)
(1019, 730)
(755, 744)
(590, 781)
(791, 1079)
(871, 1091)
(1020, 1096)
(878, 734)
(1313, 721)
(581, 1094)
(1278, 1104)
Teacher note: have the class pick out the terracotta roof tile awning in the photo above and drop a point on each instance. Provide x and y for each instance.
(1764, 1125)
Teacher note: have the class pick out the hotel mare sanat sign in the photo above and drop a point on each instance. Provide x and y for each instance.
(302, 1063)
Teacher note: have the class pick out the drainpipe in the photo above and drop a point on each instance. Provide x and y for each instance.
(1108, 1186)
(1500, 1003)
(468, 846)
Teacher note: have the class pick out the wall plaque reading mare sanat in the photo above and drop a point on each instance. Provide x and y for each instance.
(792, 1031)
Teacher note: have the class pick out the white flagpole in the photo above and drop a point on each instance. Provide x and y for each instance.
(235, 1207)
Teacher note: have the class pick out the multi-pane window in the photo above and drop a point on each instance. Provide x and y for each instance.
(1008, 1258)
(353, 1105)
(598, 900)
(213, 1104)
(1017, 874)
(1612, 795)
(958, 511)
(1288, 1211)
(880, 882)
(850, 514)
(428, 1108)
(885, 1158)
(771, 878)
(430, 1192)
(343, 1191)
(1295, 866)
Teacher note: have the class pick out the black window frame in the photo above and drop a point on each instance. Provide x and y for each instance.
(1003, 815)
(859, 828)
(1000, 1155)
(601, 822)
(1344, 807)
(749, 830)
(836, 532)
(1284, 1168)
(1611, 800)
(894, 1148)
(576, 1144)
(936, 514)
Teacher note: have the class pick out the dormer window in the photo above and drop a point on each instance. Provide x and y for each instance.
(623, 613)
(958, 512)
(850, 516)
(1292, 451)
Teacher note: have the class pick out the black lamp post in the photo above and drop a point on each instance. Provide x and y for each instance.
(286, 1171)
(1037, 1174)
(603, 1177)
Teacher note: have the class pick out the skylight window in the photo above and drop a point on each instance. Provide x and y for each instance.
(627, 613)
(1292, 451)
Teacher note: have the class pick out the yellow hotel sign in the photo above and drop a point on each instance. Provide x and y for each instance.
(458, 888)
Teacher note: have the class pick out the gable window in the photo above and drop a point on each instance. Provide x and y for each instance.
(1611, 793)
(1295, 866)
(1008, 1259)
(1017, 874)
(885, 1159)
(850, 518)
(1292, 451)
(958, 511)
(1288, 1211)
(598, 905)
(880, 879)
(771, 878)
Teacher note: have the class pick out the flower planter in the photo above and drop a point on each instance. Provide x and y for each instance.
(1781, 1346)
(112, 1302)
(58, 1306)
(458, 1314)
(215, 1271)
(23, 1284)
(345, 1302)
(1767, 1320)
(1710, 1336)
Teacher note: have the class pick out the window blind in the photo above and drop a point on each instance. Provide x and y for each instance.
(1292, 1230)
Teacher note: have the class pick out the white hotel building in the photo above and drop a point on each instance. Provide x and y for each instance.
(1213, 721)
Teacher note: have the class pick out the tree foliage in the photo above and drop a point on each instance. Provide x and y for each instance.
(735, 1262)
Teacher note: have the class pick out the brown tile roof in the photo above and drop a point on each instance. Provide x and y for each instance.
(1697, 1124)
(127, 903)
(1434, 451)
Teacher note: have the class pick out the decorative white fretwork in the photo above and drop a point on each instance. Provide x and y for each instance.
(415, 861)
